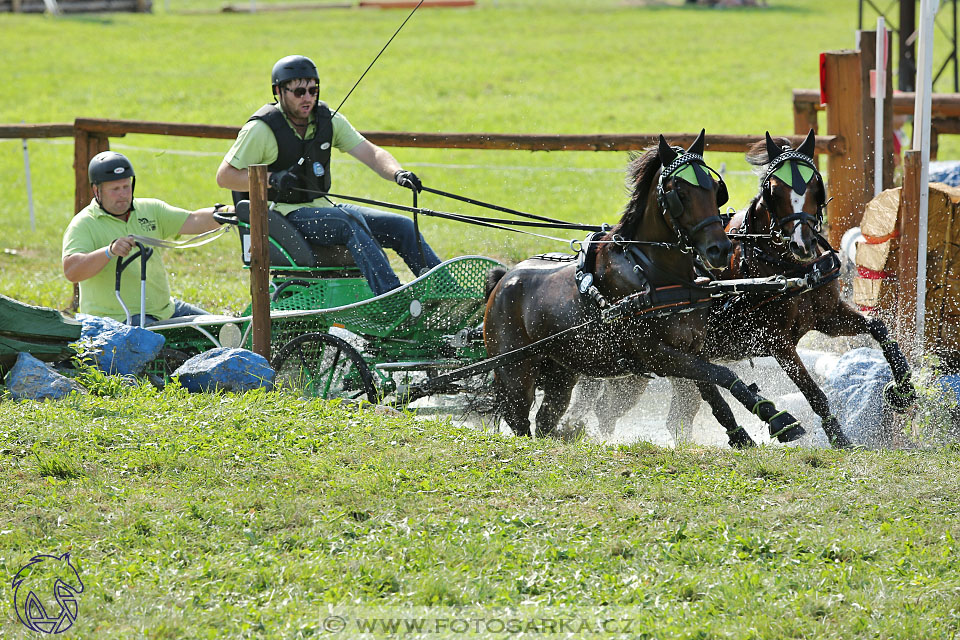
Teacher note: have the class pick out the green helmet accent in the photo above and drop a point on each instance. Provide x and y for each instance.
(293, 67)
(109, 165)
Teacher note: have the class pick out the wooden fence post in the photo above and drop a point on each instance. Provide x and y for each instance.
(847, 184)
(805, 119)
(85, 146)
(907, 253)
(259, 260)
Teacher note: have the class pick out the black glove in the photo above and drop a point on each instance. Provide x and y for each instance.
(284, 181)
(408, 179)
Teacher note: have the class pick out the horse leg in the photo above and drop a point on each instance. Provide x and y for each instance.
(684, 407)
(558, 384)
(618, 396)
(671, 362)
(847, 321)
(514, 401)
(791, 363)
(737, 436)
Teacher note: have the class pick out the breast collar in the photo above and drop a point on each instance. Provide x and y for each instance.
(650, 301)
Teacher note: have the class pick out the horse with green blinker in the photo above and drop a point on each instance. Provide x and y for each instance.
(635, 303)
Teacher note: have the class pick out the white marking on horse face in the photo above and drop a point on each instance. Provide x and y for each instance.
(796, 201)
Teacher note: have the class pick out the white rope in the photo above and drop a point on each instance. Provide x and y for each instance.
(207, 236)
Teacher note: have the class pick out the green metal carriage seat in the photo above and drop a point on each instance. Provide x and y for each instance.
(290, 253)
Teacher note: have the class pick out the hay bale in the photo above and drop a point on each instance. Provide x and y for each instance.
(877, 261)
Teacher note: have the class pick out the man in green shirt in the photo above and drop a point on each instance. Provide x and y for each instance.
(294, 137)
(101, 233)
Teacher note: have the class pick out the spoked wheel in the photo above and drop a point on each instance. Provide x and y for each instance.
(324, 366)
(167, 361)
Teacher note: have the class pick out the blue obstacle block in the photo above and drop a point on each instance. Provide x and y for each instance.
(947, 172)
(225, 370)
(854, 388)
(31, 379)
(117, 348)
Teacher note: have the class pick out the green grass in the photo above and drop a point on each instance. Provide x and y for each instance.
(225, 516)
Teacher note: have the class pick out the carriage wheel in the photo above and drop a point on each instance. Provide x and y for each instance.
(324, 366)
(168, 361)
(281, 291)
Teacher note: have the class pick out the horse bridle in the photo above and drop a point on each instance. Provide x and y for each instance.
(671, 206)
(798, 185)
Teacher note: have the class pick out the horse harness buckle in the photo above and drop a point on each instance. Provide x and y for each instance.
(584, 273)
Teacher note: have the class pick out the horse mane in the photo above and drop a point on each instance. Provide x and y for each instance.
(757, 154)
(640, 175)
(758, 159)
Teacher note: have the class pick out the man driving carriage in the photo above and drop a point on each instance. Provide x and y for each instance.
(293, 136)
(101, 233)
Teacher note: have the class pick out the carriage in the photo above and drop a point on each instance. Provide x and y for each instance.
(330, 335)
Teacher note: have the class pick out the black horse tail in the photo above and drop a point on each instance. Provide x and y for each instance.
(494, 276)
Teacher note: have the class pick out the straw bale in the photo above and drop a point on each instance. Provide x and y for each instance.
(866, 293)
(873, 256)
(880, 216)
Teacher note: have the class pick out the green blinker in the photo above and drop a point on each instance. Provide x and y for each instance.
(687, 173)
(785, 172)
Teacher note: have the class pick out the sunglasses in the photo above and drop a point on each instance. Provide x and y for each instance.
(299, 92)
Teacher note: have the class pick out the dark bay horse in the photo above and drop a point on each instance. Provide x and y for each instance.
(778, 233)
(630, 306)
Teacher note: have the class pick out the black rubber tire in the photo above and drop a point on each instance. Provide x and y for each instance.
(283, 286)
(324, 366)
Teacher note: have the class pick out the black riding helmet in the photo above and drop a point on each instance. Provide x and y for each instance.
(110, 165)
(292, 68)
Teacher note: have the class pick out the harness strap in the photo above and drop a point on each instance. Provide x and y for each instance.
(813, 279)
(661, 301)
(586, 262)
(494, 207)
(705, 223)
(489, 364)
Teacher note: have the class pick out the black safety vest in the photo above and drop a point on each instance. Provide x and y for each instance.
(311, 155)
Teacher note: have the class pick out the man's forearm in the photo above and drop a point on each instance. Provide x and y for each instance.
(81, 266)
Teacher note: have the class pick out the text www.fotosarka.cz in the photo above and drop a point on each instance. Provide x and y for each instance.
(443, 621)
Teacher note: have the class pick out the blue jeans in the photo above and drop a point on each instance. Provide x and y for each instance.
(180, 309)
(366, 233)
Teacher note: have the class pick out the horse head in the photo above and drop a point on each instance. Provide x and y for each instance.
(688, 200)
(792, 197)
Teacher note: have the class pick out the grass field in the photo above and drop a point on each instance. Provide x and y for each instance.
(261, 516)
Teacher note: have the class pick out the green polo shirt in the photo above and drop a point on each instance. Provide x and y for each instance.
(256, 144)
(93, 228)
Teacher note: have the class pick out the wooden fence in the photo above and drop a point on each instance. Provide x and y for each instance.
(76, 6)
(945, 112)
(91, 136)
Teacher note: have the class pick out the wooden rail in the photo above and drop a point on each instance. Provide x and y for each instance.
(55, 130)
(946, 105)
(944, 112)
(831, 145)
(92, 136)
